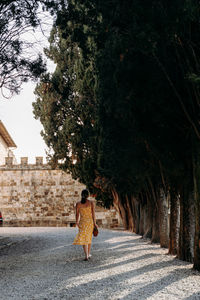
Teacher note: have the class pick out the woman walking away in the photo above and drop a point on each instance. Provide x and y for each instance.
(85, 220)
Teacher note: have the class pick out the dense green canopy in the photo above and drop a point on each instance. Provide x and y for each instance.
(124, 101)
(121, 110)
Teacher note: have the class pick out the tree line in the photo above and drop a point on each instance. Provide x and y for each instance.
(121, 112)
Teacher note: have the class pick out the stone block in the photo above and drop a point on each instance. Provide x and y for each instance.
(9, 161)
(24, 161)
(39, 160)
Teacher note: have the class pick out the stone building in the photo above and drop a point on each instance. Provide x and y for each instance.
(36, 195)
(6, 143)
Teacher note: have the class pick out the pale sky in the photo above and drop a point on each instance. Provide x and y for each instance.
(17, 116)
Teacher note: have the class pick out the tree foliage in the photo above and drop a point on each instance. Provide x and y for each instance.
(122, 108)
(66, 106)
(17, 62)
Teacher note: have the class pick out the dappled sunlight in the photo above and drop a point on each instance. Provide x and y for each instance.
(152, 286)
(122, 266)
(127, 279)
(128, 268)
(131, 238)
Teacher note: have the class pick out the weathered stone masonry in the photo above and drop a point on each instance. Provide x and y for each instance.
(36, 195)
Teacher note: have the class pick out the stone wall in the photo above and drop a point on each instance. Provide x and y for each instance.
(36, 195)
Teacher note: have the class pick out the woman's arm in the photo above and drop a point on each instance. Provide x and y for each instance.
(77, 214)
(93, 214)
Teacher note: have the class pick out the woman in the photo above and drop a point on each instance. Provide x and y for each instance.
(85, 220)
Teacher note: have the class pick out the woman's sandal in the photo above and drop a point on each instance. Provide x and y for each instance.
(86, 259)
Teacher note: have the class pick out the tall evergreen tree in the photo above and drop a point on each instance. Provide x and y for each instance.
(66, 105)
(122, 108)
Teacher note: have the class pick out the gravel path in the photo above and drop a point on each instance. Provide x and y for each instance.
(41, 263)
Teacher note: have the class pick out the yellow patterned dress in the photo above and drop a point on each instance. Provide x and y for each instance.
(86, 225)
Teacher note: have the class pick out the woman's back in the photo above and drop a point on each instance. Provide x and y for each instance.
(85, 211)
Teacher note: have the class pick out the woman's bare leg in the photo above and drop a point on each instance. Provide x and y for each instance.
(85, 248)
(89, 247)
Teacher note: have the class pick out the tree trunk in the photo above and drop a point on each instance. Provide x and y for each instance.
(149, 220)
(124, 207)
(120, 208)
(192, 224)
(134, 208)
(155, 228)
(155, 207)
(196, 176)
(128, 205)
(174, 224)
(137, 213)
(163, 222)
(141, 227)
(185, 251)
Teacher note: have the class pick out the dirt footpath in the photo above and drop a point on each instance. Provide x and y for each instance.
(41, 263)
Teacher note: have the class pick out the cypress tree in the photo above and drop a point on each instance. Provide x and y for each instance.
(121, 110)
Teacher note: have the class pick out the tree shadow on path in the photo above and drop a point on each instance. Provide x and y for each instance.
(195, 296)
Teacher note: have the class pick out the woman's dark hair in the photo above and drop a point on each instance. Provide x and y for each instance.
(84, 195)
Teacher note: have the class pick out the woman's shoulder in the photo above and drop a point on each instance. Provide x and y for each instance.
(87, 203)
(91, 202)
(78, 203)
